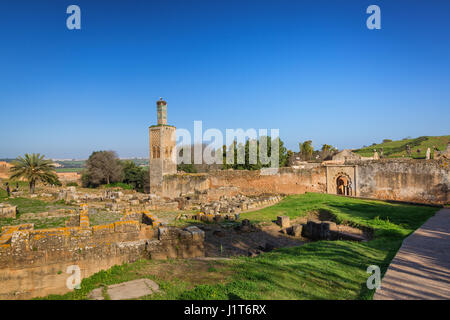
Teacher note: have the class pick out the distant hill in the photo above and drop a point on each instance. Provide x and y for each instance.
(397, 149)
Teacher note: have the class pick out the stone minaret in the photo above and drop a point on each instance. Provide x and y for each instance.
(162, 149)
(161, 109)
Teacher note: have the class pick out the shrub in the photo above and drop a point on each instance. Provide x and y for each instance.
(71, 184)
(119, 185)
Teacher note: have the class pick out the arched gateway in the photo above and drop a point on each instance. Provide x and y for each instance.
(341, 179)
(344, 185)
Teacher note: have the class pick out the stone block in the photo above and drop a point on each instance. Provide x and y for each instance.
(296, 230)
(185, 235)
(197, 233)
(316, 230)
(7, 211)
(283, 221)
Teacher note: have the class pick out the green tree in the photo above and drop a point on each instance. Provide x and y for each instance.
(102, 167)
(132, 174)
(34, 168)
(327, 147)
(282, 153)
(326, 152)
(306, 149)
(267, 152)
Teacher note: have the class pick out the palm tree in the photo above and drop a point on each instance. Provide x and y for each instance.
(34, 168)
(306, 149)
(326, 148)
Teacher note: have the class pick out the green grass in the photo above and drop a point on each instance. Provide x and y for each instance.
(316, 270)
(397, 149)
(100, 218)
(26, 205)
(42, 223)
(170, 290)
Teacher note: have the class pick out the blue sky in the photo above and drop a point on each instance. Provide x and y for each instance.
(310, 68)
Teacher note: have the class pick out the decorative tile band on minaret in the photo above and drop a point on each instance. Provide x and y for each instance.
(161, 108)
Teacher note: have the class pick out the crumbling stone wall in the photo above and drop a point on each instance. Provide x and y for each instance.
(415, 180)
(34, 262)
(175, 185)
(425, 181)
(231, 182)
(286, 181)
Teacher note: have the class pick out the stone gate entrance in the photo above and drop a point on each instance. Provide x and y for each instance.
(341, 179)
(344, 185)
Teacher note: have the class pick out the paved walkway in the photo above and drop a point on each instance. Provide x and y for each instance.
(421, 268)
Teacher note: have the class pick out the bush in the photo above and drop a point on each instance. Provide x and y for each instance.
(133, 175)
(188, 168)
(71, 184)
(119, 185)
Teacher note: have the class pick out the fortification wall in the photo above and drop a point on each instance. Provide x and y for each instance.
(425, 181)
(34, 262)
(231, 182)
(286, 181)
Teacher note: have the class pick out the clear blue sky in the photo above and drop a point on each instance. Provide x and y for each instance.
(310, 68)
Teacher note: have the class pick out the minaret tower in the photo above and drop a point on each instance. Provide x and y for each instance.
(162, 149)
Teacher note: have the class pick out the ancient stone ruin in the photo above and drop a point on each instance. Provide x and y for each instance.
(7, 210)
(315, 229)
(30, 260)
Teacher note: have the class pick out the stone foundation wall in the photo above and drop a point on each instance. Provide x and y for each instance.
(34, 262)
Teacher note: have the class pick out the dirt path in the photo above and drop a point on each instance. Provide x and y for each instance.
(421, 268)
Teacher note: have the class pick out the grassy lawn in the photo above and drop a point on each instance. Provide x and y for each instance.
(317, 270)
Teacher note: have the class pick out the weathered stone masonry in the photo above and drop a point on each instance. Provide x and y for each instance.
(425, 181)
(34, 262)
(422, 181)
